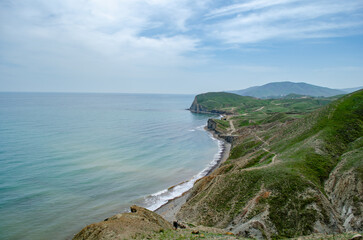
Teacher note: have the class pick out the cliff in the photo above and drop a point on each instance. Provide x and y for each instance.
(196, 107)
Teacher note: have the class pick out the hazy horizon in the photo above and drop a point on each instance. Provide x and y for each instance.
(178, 47)
(155, 93)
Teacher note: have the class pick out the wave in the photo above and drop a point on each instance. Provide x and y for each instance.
(158, 199)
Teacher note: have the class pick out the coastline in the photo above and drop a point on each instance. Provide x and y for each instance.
(169, 210)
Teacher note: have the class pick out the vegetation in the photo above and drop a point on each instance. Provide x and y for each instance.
(249, 111)
(226, 101)
(286, 147)
(188, 235)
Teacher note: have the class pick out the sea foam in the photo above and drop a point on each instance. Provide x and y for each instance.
(158, 199)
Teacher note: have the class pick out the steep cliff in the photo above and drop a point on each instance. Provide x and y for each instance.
(196, 107)
(345, 188)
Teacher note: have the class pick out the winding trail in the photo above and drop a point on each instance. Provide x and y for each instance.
(232, 126)
(273, 161)
(259, 109)
(233, 130)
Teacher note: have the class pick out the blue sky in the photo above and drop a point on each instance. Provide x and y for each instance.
(178, 46)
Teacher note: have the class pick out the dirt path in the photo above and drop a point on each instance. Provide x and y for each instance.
(259, 109)
(233, 130)
(273, 161)
(231, 125)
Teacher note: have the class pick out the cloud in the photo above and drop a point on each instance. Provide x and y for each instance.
(245, 7)
(122, 40)
(259, 20)
(107, 26)
(175, 28)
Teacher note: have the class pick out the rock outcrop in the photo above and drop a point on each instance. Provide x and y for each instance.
(139, 224)
(198, 108)
(345, 192)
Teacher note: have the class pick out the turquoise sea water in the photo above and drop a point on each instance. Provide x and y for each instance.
(67, 160)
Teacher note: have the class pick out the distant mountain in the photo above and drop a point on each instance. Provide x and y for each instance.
(350, 90)
(280, 89)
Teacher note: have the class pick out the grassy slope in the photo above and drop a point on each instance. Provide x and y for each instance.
(240, 104)
(308, 149)
(187, 235)
(249, 111)
(226, 101)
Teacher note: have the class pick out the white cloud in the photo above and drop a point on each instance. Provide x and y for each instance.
(281, 19)
(107, 26)
(152, 39)
(245, 7)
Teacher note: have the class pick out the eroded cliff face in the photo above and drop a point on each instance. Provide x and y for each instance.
(211, 203)
(345, 191)
(248, 203)
(139, 224)
(196, 107)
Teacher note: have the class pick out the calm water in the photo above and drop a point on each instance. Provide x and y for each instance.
(67, 160)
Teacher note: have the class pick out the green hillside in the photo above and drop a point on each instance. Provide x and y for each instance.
(234, 104)
(287, 173)
(222, 101)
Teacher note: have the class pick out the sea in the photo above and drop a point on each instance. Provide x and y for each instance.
(71, 159)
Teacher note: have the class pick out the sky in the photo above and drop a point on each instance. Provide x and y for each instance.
(178, 46)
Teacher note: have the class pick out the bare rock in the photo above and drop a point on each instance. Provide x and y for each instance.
(140, 223)
(345, 192)
(357, 237)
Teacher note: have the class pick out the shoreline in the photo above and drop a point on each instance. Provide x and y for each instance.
(169, 210)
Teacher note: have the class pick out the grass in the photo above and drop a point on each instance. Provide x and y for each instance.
(256, 161)
(222, 123)
(184, 234)
(221, 101)
(244, 148)
(309, 146)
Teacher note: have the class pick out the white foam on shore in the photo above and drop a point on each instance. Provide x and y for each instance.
(201, 128)
(156, 200)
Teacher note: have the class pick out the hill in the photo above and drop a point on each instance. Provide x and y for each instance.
(286, 178)
(350, 90)
(278, 89)
(222, 102)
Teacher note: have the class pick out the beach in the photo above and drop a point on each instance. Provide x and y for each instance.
(169, 210)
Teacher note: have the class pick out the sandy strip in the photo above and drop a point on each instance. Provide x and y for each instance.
(172, 207)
